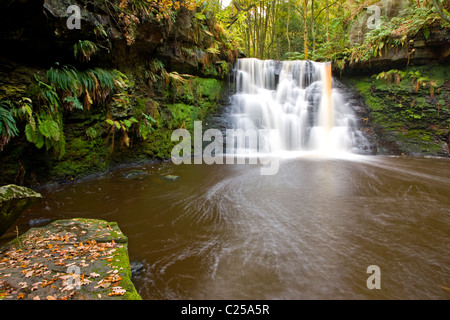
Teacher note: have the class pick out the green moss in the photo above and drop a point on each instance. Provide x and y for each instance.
(159, 145)
(210, 70)
(413, 115)
(199, 91)
(140, 105)
(183, 115)
(83, 156)
(208, 88)
(418, 141)
(17, 83)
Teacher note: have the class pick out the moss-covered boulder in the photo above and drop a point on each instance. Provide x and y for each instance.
(13, 201)
(76, 259)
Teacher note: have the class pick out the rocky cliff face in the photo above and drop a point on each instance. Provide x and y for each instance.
(176, 68)
(427, 45)
(399, 64)
(367, 18)
(38, 32)
(407, 111)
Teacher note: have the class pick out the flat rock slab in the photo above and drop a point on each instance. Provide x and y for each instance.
(76, 259)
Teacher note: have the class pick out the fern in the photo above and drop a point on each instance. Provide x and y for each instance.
(74, 102)
(65, 79)
(8, 126)
(395, 32)
(155, 69)
(47, 94)
(117, 125)
(49, 133)
(156, 66)
(188, 52)
(213, 50)
(49, 128)
(34, 136)
(84, 50)
(77, 90)
(176, 79)
(105, 78)
(145, 126)
(390, 75)
(92, 85)
(91, 133)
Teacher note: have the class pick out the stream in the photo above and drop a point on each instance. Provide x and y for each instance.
(314, 228)
(308, 232)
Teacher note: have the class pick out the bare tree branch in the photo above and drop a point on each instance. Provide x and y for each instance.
(240, 10)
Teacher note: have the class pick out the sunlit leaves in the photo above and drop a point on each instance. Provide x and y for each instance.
(48, 133)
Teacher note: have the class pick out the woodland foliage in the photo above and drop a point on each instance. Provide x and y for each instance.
(266, 29)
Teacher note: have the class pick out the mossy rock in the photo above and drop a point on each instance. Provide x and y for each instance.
(208, 88)
(171, 177)
(135, 175)
(160, 145)
(13, 201)
(183, 115)
(199, 91)
(82, 157)
(415, 117)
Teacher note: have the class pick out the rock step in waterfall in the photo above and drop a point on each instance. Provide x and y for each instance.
(295, 102)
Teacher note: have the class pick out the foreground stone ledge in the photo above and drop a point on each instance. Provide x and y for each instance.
(76, 259)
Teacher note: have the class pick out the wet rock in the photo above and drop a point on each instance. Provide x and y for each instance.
(171, 177)
(38, 222)
(13, 201)
(57, 9)
(135, 175)
(137, 268)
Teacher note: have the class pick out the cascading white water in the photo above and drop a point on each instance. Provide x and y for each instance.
(295, 101)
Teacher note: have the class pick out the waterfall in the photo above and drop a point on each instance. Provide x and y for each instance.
(295, 102)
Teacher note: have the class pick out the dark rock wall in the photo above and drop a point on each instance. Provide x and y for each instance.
(35, 37)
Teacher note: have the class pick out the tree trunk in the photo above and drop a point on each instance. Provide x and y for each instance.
(287, 29)
(305, 33)
(328, 22)
(313, 22)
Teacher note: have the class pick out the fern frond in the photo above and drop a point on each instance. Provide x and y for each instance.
(84, 50)
(74, 103)
(8, 127)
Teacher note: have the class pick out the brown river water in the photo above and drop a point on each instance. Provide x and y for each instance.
(308, 232)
